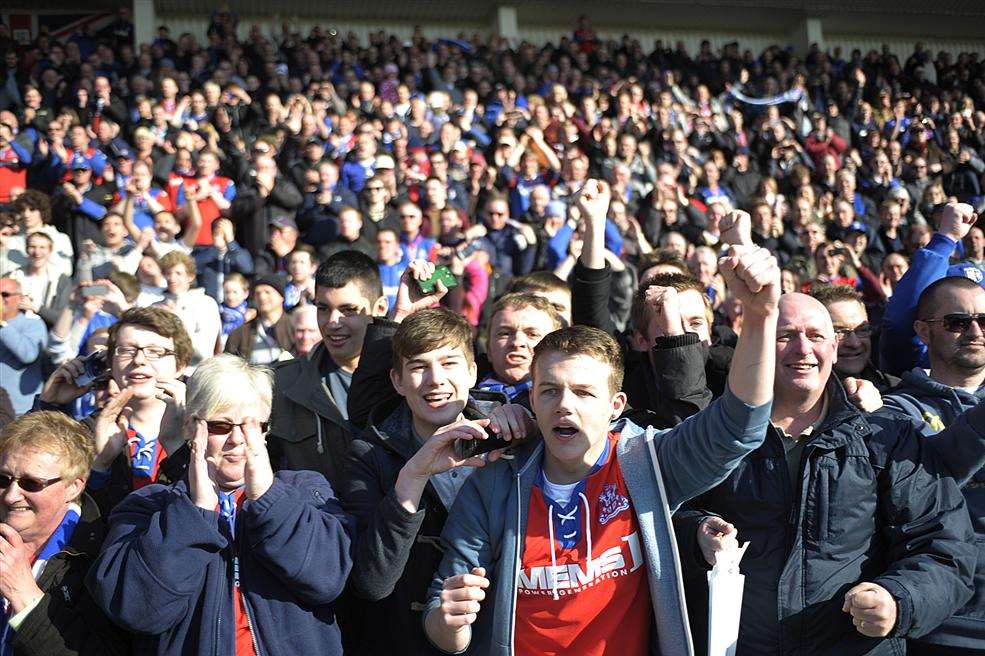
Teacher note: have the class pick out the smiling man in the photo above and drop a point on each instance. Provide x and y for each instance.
(854, 543)
(951, 322)
(854, 335)
(517, 324)
(403, 475)
(567, 547)
(309, 421)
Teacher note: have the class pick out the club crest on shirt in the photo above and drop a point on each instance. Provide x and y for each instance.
(611, 503)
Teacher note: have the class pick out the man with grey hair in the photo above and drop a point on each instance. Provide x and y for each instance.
(304, 330)
(852, 536)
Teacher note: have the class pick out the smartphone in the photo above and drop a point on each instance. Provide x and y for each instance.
(469, 448)
(470, 248)
(94, 290)
(442, 273)
(93, 367)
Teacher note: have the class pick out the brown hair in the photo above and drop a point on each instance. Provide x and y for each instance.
(516, 301)
(660, 256)
(32, 199)
(584, 340)
(640, 311)
(428, 330)
(51, 432)
(174, 258)
(538, 281)
(160, 321)
(829, 294)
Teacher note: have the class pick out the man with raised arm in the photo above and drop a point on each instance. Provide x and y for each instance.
(568, 547)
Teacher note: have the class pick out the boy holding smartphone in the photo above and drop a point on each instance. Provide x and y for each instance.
(404, 473)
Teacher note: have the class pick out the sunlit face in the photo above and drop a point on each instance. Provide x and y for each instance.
(806, 348)
(436, 385)
(179, 280)
(343, 315)
(962, 351)
(226, 454)
(36, 515)
(854, 349)
(387, 247)
(113, 230)
(267, 299)
(574, 404)
(513, 334)
(137, 372)
(38, 250)
(233, 293)
(304, 326)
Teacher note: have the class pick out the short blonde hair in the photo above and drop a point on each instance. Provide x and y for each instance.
(228, 381)
(55, 433)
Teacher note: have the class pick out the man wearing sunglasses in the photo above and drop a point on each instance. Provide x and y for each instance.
(951, 322)
(22, 338)
(50, 533)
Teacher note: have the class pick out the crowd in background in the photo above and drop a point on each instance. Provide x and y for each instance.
(164, 203)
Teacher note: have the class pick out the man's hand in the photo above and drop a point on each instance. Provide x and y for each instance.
(714, 535)
(752, 276)
(60, 389)
(461, 598)
(736, 228)
(863, 394)
(410, 298)
(666, 308)
(259, 474)
(957, 220)
(437, 455)
(111, 430)
(201, 489)
(17, 583)
(593, 200)
(872, 608)
(511, 422)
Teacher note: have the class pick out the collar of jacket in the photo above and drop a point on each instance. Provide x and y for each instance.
(920, 383)
(88, 535)
(843, 419)
(308, 388)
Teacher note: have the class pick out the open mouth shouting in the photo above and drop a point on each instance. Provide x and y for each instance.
(565, 431)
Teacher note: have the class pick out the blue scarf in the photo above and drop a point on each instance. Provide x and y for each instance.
(511, 391)
(144, 455)
(58, 540)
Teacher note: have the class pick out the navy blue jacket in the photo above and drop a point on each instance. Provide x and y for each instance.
(865, 507)
(213, 266)
(165, 571)
(937, 406)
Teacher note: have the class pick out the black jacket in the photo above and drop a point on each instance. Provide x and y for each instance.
(864, 508)
(307, 431)
(397, 552)
(66, 621)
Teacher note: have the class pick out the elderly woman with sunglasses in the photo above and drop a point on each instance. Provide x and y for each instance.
(235, 559)
(50, 533)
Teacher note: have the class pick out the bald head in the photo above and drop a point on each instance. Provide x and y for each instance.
(801, 305)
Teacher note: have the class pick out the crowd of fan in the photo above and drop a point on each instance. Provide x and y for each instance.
(285, 198)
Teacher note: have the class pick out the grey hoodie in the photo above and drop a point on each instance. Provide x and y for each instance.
(662, 469)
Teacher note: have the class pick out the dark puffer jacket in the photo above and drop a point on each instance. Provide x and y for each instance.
(935, 406)
(864, 508)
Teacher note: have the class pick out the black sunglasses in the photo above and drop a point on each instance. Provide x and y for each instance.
(26, 483)
(226, 427)
(959, 322)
